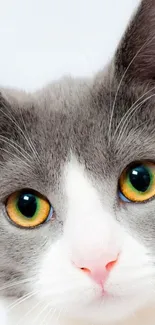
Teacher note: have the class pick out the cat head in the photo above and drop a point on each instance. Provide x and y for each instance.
(77, 175)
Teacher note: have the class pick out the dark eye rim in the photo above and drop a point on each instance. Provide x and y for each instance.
(135, 163)
(131, 165)
(32, 191)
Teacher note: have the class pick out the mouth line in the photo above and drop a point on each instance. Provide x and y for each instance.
(103, 293)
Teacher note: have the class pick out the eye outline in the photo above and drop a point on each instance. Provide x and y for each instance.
(51, 216)
(122, 198)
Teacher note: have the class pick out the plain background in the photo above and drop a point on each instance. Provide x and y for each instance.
(42, 40)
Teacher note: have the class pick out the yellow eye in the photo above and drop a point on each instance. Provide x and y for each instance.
(137, 182)
(28, 208)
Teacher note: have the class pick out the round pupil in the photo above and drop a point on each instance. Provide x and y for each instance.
(27, 204)
(140, 178)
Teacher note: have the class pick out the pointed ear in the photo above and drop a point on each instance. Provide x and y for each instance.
(135, 56)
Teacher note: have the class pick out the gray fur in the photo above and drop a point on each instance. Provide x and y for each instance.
(38, 131)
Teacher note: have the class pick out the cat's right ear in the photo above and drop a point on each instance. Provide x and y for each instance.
(135, 57)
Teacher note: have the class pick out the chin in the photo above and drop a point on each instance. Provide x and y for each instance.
(99, 309)
(105, 309)
(92, 307)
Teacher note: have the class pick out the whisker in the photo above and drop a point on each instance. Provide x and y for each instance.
(13, 120)
(58, 317)
(15, 302)
(47, 314)
(14, 283)
(111, 76)
(124, 116)
(29, 312)
(30, 141)
(16, 157)
(41, 312)
(54, 311)
(22, 299)
(127, 120)
(126, 140)
(16, 145)
(11, 144)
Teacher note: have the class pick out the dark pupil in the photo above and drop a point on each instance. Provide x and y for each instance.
(140, 178)
(27, 204)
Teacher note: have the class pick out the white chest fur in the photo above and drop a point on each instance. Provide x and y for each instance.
(33, 314)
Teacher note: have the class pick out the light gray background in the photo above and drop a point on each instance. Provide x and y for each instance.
(41, 40)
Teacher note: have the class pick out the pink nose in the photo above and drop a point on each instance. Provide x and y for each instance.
(99, 273)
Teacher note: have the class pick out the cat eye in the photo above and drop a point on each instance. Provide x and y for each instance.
(137, 182)
(28, 209)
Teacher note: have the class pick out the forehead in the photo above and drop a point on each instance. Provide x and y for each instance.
(101, 126)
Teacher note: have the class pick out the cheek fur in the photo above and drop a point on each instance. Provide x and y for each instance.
(59, 281)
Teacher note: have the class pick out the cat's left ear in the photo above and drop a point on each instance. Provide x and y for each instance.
(135, 57)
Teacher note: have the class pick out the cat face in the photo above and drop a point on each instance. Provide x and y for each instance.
(84, 243)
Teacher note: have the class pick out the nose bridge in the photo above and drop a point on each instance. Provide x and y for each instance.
(93, 222)
(97, 240)
(93, 258)
(90, 230)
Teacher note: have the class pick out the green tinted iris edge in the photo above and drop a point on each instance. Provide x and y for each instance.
(151, 174)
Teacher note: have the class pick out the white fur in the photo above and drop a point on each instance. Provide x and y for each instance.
(91, 232)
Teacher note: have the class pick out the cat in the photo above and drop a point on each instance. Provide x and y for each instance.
(77, 185)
